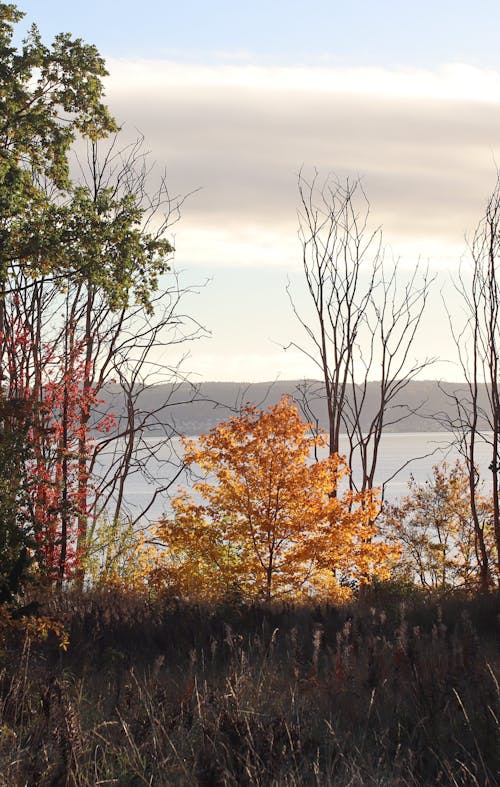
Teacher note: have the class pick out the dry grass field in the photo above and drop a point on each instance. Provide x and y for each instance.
(382, 692)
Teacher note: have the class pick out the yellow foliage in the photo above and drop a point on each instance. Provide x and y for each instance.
(271, 524)
(434, 525)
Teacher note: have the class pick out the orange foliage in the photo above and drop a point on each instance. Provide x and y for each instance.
(270, 524)
(37, 627)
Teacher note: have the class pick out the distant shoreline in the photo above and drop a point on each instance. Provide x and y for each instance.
(422, 406)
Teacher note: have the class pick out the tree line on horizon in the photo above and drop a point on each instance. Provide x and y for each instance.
(428, 404)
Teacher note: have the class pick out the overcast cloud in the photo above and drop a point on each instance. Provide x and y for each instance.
(423, 142)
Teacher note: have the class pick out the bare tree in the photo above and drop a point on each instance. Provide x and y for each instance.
(477, 417)
(364, 318)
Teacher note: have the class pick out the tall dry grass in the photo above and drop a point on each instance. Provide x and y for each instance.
(379, 693)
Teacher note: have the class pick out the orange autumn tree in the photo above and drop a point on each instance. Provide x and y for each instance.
(264, 522)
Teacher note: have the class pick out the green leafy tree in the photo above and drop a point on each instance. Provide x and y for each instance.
(90, 248)
(48, 96)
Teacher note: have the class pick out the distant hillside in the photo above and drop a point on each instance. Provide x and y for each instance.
(192, 410)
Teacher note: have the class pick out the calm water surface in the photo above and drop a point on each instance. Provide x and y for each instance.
(424, 449)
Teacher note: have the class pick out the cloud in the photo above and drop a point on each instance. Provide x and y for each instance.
(449, 82)
(424, 143)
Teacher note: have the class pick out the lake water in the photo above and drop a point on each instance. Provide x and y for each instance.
(424, 449)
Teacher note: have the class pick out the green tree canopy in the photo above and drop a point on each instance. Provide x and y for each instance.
(48, 95)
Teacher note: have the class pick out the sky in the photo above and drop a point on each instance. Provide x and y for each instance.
(235, 99)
